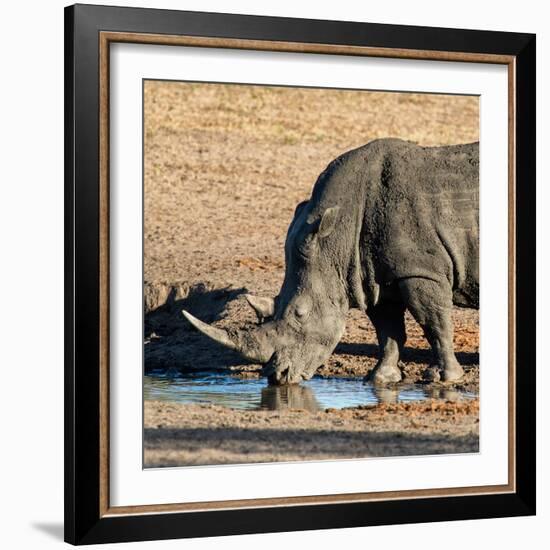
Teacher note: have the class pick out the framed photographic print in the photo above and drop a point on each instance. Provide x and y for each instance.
(300, 284)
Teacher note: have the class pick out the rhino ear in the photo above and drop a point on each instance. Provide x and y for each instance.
(264, 307)
(328, 221)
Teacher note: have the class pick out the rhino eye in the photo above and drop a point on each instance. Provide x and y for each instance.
(304, 249)
(301, 311)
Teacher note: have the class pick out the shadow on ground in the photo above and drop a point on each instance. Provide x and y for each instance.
(415, 355)
(171, 342)
(187, 446)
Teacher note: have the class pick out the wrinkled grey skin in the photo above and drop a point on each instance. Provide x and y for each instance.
(389, 226)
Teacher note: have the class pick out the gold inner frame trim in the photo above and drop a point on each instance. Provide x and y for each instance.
(105, 39)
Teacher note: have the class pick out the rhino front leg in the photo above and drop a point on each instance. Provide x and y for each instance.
(431, 304)
(389, 321)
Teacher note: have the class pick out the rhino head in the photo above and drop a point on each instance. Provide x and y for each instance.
(300, 328)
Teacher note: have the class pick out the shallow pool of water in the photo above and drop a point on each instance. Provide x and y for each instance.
(315, 394)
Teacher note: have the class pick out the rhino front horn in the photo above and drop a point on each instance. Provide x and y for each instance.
(264, 307)
(251, 345)
(217, 334)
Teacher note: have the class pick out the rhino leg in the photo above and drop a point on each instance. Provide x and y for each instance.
(431, 304)
(389, 321)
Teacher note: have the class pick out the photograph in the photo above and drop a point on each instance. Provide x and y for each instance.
(310, 273)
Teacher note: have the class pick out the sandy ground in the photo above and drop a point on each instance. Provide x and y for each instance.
(224, 167)
(178, 434)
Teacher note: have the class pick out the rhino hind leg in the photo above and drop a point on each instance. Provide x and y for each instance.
(389, 321)
(430, 303)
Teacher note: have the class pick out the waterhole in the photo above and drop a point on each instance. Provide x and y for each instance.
(313, 395)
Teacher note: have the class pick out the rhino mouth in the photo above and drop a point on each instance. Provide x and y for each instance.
(282, 374)
(283, 377)
(279, 378)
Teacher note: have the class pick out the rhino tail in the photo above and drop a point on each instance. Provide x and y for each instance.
(370, 286)
(373, 294)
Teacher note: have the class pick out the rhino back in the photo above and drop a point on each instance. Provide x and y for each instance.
(421, 215)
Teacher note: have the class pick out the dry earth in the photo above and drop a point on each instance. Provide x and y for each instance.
(224, 167)
(178, 434)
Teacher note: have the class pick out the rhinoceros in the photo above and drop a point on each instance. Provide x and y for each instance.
(389, 226)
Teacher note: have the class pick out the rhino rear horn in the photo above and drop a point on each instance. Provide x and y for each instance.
(264, 307)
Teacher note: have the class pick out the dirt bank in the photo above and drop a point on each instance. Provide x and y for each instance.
(180, 435)
(171, 343)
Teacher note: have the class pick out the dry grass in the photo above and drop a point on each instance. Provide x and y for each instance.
(225, 165)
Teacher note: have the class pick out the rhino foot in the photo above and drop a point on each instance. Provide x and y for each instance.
(384, 373)
(451, 373)
(432, 374)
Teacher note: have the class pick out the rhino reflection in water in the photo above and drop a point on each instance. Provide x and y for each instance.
(277, 398)
(389, 226)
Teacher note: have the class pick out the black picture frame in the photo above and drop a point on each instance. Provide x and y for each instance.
(84, 521)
